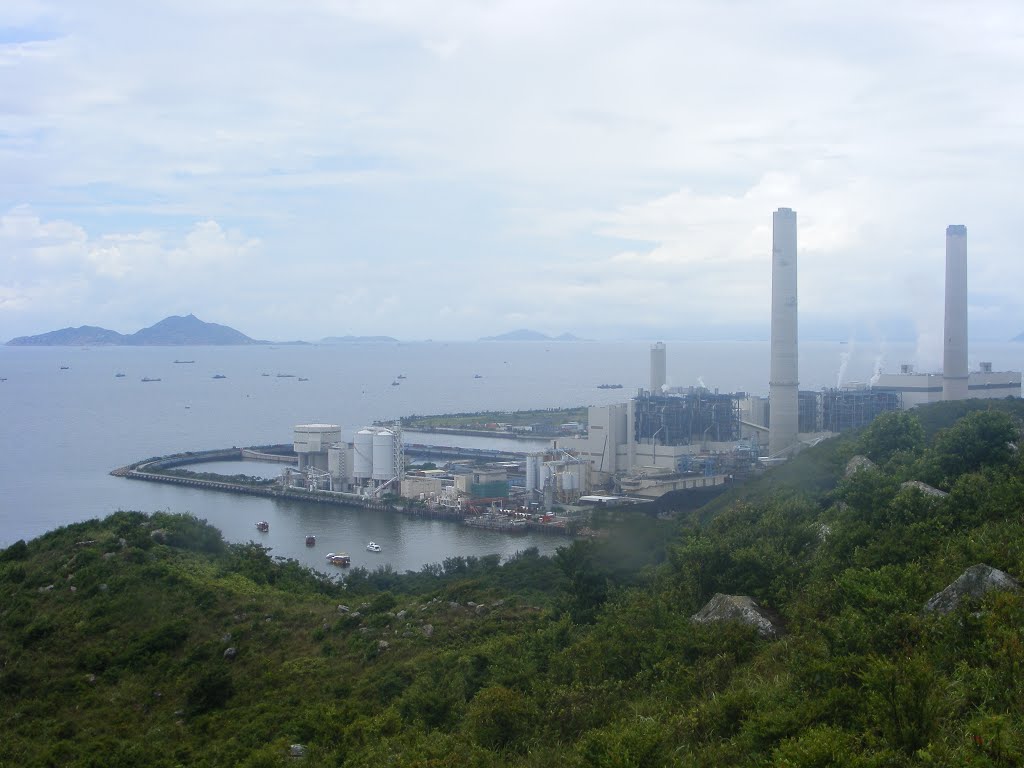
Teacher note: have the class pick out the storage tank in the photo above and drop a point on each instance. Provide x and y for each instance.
(384, 455)
(531, 472)
(362, 458)
(570, 481)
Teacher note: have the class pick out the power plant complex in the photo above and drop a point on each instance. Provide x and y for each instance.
(666, 438)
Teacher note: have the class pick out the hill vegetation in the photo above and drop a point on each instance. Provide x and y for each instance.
(147, 640)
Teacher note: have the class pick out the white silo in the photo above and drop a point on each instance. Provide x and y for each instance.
(531, 473)
(570, 482)
(383, 455)
(362, 454)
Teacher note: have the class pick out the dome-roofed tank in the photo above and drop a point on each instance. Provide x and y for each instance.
(384, 455)
(362, 454)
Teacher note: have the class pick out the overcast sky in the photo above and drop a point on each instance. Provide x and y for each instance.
(451, 169)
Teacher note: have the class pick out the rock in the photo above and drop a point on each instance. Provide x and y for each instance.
(480, 609)
(226, 637)
(107, 555)
(471, 604)
(975, 582)
(428, 630)
(738, 608)
(400, 615)
(858, 463)
(230, 653)
(498, 603)
(453, 604)
(383, 645)
(924, 488)
(296, 750)
(343, 609)
(159, 536)
(104, 587)
(46, 589)
(74, 589)
(90, 678)
(355, 614)
(123, 542)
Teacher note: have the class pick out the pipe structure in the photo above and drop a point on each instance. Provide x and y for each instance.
(954, 347)
(783, 386)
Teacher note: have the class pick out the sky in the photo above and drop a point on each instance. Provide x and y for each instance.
(452, 169)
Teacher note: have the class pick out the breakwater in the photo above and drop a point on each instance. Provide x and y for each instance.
(155, 469)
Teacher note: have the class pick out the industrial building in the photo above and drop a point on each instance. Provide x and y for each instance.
(920, 388)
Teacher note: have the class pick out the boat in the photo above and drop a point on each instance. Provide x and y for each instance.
(302, 378)
(184, 362)
(609, 386)
(65, 367)
(118, 375)
(339, 559)
(264, 374)
(395, 383)
(401, 376)
(373, 547)
(477, 376)
(146, 378)
(286, 375)
(310, 540)
(262, 526)
(219, 376)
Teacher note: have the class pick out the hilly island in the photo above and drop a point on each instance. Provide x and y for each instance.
(857, 606)
(171, 331)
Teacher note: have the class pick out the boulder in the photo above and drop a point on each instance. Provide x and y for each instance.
(297, 750)
(428, 630)
(343, 609)
(858, 463)
(974, 583)
(230, 653)
(739, 608)
(924, 488)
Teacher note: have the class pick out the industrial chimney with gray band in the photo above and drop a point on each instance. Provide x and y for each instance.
(783, 386)
(954, 347)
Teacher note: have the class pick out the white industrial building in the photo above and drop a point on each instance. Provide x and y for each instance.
(312, 441)
(373, 461)
(921, 388)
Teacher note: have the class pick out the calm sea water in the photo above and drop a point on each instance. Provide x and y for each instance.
(62, 431)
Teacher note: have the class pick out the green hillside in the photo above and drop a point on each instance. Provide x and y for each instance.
(146, 640)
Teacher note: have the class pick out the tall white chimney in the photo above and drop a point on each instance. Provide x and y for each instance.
(954, 348)
(783, 386)
(657, 368)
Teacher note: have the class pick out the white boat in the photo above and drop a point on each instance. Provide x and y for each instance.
(341, 559)
(373, 547)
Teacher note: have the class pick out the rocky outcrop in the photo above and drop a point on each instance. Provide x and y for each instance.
(739, 608)
(924, 488)
(973, 583)
(858, 463)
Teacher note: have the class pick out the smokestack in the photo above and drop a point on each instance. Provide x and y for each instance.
(954, 348)
(657, 368)
(783, 386)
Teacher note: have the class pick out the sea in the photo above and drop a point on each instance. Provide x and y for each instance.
(67, 419)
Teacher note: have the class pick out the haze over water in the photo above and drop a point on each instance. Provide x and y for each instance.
(64, 430)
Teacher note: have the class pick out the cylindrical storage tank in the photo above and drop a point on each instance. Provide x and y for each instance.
(543, 475)
(531, 473)
(384, 455)
(362, 454)
(570, 482)
(336, 461)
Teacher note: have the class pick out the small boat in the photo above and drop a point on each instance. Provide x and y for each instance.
(262, 526)
(146, 378)
(401, 376)
(219, 376)
(395, 383)
(609, 386)
(310, 540)
(184, 362)
(339, 559)
(264, 374)
(65, 367)
(477, 376)
(373, 547)
(118, 375)
(286, 375)
(301, 378)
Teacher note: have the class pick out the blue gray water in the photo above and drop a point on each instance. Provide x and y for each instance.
(62, 431)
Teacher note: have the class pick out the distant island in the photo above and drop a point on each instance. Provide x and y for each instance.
(524, 334)
(171, 331)
(1018, 337)
(356, 339)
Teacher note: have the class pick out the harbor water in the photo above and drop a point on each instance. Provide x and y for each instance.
(68, 419)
